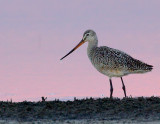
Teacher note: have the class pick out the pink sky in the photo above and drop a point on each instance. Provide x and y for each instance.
(34, 35)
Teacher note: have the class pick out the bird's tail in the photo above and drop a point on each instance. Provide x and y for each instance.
(143, 67)
(149, 67)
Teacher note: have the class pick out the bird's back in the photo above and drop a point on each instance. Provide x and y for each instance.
(115, 63)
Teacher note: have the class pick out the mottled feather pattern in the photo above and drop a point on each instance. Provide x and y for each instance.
(110, 62)
(117, 60)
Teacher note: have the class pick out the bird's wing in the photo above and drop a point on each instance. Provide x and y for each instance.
(116, 59)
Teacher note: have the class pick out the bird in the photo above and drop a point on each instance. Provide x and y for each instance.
(109, 61)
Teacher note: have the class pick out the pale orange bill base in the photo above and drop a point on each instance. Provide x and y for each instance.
(80, 43)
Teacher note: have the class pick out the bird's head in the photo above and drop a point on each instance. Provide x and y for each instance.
(88, 36)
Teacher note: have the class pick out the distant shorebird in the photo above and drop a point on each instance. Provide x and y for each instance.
(110, 62)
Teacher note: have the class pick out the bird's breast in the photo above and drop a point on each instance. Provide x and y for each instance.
(108, 70)
(103, 66)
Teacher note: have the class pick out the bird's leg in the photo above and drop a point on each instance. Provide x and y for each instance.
(123, 87)
(111, 88)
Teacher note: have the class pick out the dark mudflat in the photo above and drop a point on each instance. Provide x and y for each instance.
(89, 108)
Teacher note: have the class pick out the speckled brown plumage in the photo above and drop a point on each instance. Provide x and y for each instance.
(111, 62)
(105, 58)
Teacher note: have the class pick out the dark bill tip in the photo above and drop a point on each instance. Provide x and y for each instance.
(80, 43)
(67, 54)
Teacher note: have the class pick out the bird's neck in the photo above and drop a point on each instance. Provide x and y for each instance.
(91, 46)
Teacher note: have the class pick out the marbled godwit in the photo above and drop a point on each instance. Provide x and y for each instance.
(110, 62)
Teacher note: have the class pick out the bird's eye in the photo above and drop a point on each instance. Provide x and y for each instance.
(87, 34)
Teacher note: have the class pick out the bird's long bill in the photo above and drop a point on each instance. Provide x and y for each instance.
(80, 43)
